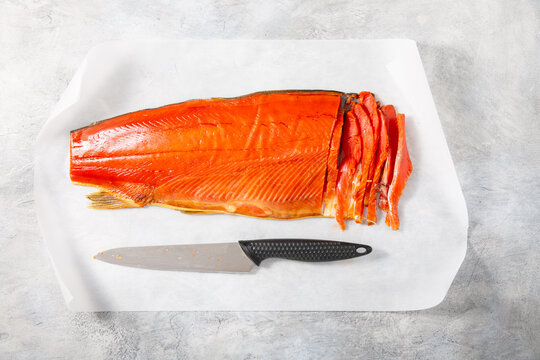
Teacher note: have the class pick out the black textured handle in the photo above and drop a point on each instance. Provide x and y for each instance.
(302, 250)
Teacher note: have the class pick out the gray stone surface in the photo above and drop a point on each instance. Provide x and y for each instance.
(481, 60)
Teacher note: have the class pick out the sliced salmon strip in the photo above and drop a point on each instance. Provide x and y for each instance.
(351, 147)
(380, 159)
(368, 151)
(332, 166)
(389, 115)
(369, 104)
(402, 171)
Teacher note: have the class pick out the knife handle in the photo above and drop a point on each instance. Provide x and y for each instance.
(302, 250)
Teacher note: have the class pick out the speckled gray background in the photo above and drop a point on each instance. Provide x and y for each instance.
(482, 62)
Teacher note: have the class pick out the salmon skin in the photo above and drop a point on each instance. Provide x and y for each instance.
(281, 155)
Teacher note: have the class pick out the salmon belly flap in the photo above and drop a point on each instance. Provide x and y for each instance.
(269, 155)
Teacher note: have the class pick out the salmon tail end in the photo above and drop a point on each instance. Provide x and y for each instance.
(104, 200)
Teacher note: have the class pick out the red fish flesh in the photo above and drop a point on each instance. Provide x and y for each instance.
(281, 155)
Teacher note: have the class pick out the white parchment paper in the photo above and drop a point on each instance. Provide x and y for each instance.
(409, 269)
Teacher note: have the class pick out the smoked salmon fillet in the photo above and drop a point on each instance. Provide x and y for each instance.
(281, 155)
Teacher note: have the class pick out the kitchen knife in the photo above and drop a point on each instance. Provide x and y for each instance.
(239, 256)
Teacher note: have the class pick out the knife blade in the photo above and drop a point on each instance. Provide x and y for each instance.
(241, 256)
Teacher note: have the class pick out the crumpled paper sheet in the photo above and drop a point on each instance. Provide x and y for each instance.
(409, 269)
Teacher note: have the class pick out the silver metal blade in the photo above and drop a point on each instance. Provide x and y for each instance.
(225, 257)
